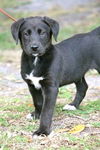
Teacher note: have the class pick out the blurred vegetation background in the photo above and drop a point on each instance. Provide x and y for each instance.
(74, 16)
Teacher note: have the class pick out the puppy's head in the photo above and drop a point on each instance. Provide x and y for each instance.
(35, 34)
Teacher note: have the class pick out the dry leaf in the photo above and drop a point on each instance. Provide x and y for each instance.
(30, 140)
(77, 129)
(30, 105)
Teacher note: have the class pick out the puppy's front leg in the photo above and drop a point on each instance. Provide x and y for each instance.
(50, 95)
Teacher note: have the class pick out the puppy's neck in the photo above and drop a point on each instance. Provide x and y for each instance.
(49, 52)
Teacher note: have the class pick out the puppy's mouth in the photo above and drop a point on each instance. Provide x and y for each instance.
(38, 54)
(35, 55)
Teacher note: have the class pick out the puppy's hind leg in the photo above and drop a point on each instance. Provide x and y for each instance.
(81, 87)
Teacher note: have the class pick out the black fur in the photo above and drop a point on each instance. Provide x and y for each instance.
(61, 64)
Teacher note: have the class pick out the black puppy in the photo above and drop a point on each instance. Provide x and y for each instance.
(46, 67)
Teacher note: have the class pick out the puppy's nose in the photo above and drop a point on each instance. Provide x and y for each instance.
(34, 47)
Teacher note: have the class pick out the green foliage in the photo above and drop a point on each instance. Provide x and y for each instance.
(64, 93)
(6, 41)
(12, 3)
(3, 122)
(96, 124)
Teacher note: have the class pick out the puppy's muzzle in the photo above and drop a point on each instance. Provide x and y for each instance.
(34, 48)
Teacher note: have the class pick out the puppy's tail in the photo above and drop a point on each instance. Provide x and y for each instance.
(95, 31)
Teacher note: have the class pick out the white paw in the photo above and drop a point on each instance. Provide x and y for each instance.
(69, 107)
(35, 136)
(52, 134)
(29, 117)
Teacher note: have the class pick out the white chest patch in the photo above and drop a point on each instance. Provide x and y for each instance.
(34, 80)
(35, 61)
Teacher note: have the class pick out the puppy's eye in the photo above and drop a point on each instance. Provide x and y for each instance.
(26, 34)
(41, 32)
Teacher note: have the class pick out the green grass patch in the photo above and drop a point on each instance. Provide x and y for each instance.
(87, 143)
(15, 105)
(14, 116)
(84, 111)
(64, 93)
(13, 125)
(6, 41)
(96, 124)
(20, 139)
(12, 3)
(30, 127)
(3, 122)
(6, 140)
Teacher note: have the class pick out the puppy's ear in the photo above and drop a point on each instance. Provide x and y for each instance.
(53, 25)
(15, 29)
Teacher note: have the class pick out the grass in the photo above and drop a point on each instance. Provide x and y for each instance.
(87, 109)
(11, 3)
(16, 129)
(64, 92)
(3, 122)
(9, 44)
(83, 143)
(96, 124)
(84, 111)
